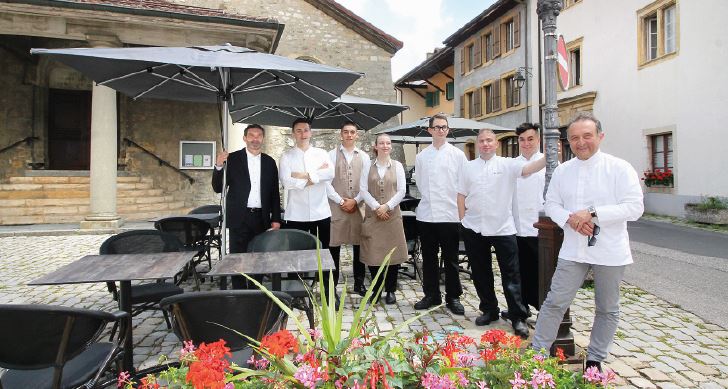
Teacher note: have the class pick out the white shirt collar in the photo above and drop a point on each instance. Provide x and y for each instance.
(250, 155)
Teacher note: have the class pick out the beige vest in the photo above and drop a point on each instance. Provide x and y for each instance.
(380, 236)
(346, 227)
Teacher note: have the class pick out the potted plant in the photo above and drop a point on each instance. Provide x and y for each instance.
(658, 177)
(710, 210)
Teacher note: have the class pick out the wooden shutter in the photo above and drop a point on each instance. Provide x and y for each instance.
(477, 102)
(496, 41)
(476, 53)
(462, 61)
(496, 95)
(517, 30)
(462, 106)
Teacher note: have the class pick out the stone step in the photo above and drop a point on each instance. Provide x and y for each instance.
(72, 186)
(69, 180)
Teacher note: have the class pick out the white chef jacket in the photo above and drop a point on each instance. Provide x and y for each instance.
(333, 155)
(437, 177)
(382, 170)
(254, 173)
(306, 203)
(488, 189)
(528, 198)
(610, 185)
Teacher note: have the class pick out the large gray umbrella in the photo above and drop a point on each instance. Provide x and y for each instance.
(237, 76)
(459, 127)
(366, 113)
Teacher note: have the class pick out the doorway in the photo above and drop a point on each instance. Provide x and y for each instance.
(69, 129)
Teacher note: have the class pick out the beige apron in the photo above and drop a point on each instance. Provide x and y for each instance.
(378, 237)
(346, 227)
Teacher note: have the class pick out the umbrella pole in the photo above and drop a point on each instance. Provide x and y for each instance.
(224, 113)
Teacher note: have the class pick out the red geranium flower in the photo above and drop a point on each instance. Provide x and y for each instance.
(279, 343)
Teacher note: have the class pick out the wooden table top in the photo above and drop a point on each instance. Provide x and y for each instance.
(272, 262)
(117, 267)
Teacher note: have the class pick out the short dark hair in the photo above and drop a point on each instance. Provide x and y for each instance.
(349, 123)
(258, 126)
(527, 126)
(585, 115)
(438, 116)
(301, 120)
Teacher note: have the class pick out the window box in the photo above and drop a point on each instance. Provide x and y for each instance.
(659, 178)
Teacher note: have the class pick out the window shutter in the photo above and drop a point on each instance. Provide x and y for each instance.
(462, 106)
(450, 90)
(496, 95)
(462, 61)
(476, 53)
(517, 30)
(428, 99)
(496, 41)
(477, 101)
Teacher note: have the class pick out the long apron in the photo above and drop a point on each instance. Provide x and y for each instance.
(346, 227)
(378, 237)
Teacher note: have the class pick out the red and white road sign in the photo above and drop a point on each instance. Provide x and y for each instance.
(562, 63)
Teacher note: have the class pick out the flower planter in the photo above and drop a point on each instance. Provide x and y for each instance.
(710, 216)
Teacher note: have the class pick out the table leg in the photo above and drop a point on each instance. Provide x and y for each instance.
(276, 281)
(125, 305)
(223, 283)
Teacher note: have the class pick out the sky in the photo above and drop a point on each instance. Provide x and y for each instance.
(421, 24)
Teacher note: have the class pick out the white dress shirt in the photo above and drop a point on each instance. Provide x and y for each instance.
(437, 175)
(306, 203)
(366, 163)
(382, 170)
(488, 189)
(254, 174)
(528, 199)
(611, 186)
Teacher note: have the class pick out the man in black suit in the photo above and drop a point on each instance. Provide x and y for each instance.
(253, 200)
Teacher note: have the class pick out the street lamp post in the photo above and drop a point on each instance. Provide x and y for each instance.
(550, 235)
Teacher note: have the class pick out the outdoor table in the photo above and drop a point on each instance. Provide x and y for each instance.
(122, 268)
(275, 263)
(213, 219)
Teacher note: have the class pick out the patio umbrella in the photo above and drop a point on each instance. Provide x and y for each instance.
(234, 75)
(366, 113)
(419, 140)
(459, 127)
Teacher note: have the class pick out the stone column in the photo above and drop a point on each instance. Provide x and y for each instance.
(102, 210)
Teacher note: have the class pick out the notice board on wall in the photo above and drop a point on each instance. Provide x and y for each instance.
(195, 154)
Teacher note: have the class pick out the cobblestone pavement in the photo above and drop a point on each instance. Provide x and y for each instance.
(657, 343)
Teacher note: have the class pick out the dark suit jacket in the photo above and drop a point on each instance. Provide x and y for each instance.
(238, 181)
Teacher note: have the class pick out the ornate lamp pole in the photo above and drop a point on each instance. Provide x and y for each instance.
(550, 235)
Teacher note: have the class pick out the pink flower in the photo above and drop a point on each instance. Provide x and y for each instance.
(124, 378)
(542, 379)
(467, 359)
(434, 381)
(608, 377)
(517, 382)
(315, 333)
(188, 348)
(592, 375)
(539, 358)
(482, 385)
(462, 380)
(308, 376)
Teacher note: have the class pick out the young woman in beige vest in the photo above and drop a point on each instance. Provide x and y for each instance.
(382, 189)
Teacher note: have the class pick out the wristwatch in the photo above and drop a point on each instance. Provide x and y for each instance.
(592, 211)
(342, 202)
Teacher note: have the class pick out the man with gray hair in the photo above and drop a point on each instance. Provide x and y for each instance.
(592, 197)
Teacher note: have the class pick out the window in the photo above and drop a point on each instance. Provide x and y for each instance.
(513, 94)
(492, 97)
(661, 151)
(470, 51)
(432, 99)
(471, 57)
(569, 3)
(450, 90)
(472, 101)
(658, 33)
(488, 46)
(509, 147)
(508, 35)
(575, 66)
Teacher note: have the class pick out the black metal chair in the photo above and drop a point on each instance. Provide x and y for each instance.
(293, 284)
(144, 296)
(193, 233)
(56, 347)
(215, 233)
(211, 316)
(409, 204)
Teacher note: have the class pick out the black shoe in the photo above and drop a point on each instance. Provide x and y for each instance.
(390, 298)
(455, 306)
(520, 328)
(427, 302)
(505, 316)
(486, 318)
(360, 289)
(593, 363)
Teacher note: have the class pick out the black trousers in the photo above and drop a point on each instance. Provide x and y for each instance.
(240, 237)
(444, 237)
(390, 281)
(528, 267)
(478, 248)
(322, 229)
(359, 268)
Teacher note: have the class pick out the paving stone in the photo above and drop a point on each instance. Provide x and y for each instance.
(667, 385)
(641, 383)
(694, 376)
(681, 381)
(672, 363)
(622, 369)
(702, 369)
(654, 374)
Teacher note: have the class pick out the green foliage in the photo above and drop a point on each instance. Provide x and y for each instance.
(711, 203)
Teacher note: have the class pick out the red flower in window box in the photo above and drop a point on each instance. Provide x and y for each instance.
(658, 177)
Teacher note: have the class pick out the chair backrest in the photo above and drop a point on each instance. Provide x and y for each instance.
(34, 336)
(409, 223)
(409, 204)
(203, 316)
(282, 240)
(141, 241)
(212, 208)
(188, 230)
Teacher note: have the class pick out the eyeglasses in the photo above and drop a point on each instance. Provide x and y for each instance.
(592, 240)
(439, 128)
